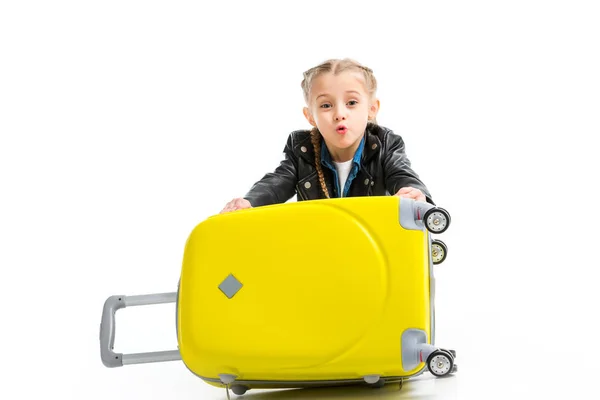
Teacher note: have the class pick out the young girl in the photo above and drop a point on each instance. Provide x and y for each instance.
(346, 153)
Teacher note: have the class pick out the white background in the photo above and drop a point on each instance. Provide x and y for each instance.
(125, 123)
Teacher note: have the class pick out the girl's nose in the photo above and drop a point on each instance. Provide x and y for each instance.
(340, 117)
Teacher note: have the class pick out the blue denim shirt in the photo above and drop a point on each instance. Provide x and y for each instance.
(327, 162)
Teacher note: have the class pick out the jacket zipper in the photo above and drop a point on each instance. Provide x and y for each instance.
(300, 192)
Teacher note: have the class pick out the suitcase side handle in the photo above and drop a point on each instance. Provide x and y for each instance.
(107, 331)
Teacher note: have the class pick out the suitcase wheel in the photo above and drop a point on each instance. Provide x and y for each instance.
(239, 389)
(440, 363)
(439, 251)
(378, 385)
(437, 220)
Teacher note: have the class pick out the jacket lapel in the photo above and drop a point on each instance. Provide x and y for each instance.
(372, 146)
(305, 150)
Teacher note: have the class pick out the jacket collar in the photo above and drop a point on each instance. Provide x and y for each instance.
(372, 143)
(372, 146)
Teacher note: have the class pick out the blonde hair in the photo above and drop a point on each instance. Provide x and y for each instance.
(336, 67)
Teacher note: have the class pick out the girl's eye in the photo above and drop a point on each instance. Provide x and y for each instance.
(353, 102)
(326, 105)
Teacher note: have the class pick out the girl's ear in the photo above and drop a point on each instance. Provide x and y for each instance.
(308, 116)
(374, 109)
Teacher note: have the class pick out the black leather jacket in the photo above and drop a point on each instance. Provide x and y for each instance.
(384, 169)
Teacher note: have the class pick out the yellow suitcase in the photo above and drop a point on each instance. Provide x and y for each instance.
(311, 293)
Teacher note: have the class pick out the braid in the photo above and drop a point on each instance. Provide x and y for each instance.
(315, 138)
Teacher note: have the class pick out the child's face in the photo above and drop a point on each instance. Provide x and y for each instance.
(337, 102)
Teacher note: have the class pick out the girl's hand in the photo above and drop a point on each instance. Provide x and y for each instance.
(411, 193)
(236, 204)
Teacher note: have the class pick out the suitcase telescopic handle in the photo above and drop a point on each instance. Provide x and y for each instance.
(107, 331)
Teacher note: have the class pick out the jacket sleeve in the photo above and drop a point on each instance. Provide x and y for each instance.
(277, 186)
(397, 168)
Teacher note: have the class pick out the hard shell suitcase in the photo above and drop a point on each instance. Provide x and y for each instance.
(320, 292)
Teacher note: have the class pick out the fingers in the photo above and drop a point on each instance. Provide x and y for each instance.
(404, 190)
(231, 206)
(411, 193)
(227, 208)
(421, 197)
(236, 204)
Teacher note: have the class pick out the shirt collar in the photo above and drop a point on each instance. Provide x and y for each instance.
(326, 157)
